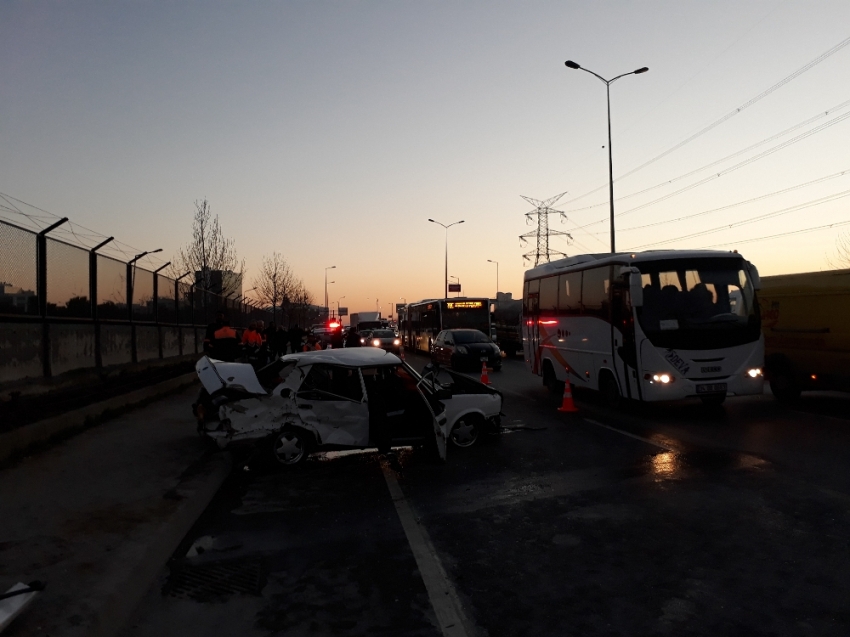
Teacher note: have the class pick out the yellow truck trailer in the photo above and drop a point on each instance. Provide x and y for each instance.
(806, 325)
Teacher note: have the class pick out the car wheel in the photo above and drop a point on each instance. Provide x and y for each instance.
(290, 447)
(466, 430)
(713, 400)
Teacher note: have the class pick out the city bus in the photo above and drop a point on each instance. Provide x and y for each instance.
(419, 323)
(648, 326)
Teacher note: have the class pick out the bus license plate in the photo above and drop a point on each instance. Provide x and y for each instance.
(715, 388)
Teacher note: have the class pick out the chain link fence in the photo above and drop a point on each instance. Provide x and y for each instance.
(50, 282)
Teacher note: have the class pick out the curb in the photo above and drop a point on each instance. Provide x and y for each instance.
(120, 607)
(17, 442)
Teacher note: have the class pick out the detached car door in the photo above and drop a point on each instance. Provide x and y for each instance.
(331, 400)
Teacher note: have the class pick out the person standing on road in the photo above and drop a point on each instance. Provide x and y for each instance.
(296, 334)
(225, 344)
(352, 339)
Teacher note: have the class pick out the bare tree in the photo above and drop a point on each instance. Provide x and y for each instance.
(297, 304)
(842, 252)
(275, 282)
(210, 256)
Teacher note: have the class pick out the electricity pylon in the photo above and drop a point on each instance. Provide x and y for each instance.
(542, 211)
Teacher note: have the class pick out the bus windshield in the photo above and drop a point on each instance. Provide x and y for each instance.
(698, 303)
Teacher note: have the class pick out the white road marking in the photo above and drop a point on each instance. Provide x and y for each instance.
(441, 592)
(660, 445)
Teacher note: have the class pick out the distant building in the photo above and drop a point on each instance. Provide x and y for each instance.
(18, 301)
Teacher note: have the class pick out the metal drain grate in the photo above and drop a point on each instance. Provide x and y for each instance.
(212, 582)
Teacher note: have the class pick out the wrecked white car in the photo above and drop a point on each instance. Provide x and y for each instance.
(343, 399)
(323, 400)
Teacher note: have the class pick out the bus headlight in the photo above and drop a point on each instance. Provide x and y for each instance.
(662, 378)
(755, 372)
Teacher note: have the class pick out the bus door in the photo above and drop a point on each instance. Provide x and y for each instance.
(532, 323)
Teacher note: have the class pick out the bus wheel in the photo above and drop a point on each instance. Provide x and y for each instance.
(610, 391)
(550, 380)
(784, 385)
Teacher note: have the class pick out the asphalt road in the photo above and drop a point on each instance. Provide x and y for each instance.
(652, 520)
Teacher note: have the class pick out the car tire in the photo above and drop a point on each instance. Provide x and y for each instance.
(290, 447)
(466, 430)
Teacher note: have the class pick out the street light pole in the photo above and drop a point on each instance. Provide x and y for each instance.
(497, 277)
(326, 285)
(446, 278)
(572, 65)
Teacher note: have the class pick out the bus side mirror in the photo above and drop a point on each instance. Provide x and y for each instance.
(755, 279)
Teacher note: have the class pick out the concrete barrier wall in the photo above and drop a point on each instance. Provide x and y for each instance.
(116, 344)
(170, 341)
(71, 347)
(147, 342)
(20, 351)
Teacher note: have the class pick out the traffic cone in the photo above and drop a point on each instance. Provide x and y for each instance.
(567, 404)
(484, 377)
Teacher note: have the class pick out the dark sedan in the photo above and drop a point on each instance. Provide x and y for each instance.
(466, 348)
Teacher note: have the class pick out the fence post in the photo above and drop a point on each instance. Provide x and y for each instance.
(156, 305)
(98, 355)
(177, 311)
(41, 284)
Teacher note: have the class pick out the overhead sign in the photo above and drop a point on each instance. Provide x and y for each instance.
(343, 311)
(464, 305)
(454, 287)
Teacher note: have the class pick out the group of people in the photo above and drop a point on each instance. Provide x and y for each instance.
(222, 342)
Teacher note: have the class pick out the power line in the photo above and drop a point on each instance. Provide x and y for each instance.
(837, 224)
(729, 115)
(726, 171)
(734, 205)
(719, 161)
(769, 215)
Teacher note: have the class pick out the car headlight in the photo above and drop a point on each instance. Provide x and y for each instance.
(396, 342)
(755, 372)
(362, 340)
(661, 378)
(460, 349)
(376, 343)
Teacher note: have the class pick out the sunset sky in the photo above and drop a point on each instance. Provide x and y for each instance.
(331, 131)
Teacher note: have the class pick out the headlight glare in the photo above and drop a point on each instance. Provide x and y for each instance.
(755, 372)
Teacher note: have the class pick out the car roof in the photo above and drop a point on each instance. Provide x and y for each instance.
(463, 329)
(349, 357)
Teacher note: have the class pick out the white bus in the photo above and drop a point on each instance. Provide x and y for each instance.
(649, 326)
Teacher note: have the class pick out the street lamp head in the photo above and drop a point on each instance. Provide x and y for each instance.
(642, 70)
(461, 221)
(432, 221)
(155, 251)
(572, 65)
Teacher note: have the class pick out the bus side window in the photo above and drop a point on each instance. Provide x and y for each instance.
(549, 294)
(594, 292)
(569, 302)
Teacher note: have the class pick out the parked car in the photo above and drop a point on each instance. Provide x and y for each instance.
(385, 339)
(465, 348)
